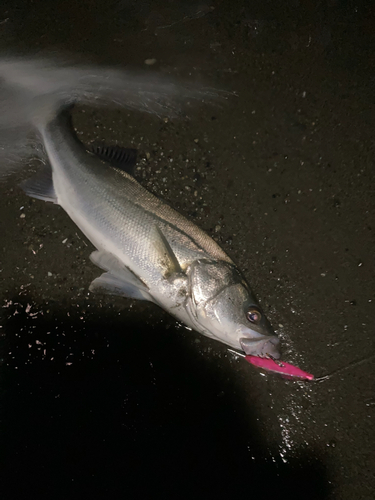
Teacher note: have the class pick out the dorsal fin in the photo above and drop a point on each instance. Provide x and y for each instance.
(117, 156)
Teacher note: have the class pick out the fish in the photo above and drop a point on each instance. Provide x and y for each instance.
(146, 249)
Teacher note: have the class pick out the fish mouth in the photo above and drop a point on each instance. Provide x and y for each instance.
(265, 346)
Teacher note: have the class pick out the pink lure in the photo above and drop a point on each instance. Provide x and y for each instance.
(279, 367)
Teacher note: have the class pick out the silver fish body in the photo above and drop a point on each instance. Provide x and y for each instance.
(148, 250)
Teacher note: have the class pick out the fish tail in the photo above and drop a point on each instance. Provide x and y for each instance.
(33, 91)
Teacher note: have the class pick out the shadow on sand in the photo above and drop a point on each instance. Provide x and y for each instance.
(128, 418)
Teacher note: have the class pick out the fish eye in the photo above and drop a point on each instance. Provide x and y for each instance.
(253, 315)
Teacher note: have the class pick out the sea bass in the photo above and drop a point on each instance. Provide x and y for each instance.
(147, 250)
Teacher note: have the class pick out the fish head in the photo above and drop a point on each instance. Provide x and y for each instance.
(223, 307)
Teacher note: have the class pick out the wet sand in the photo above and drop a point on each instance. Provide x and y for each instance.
(107, 397)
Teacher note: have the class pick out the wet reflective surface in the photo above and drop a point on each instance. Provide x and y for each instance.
(103, 396)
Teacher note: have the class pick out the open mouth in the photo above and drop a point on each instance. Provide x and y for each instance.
(264, 347)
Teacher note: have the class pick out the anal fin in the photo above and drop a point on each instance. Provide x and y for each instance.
(41, 186)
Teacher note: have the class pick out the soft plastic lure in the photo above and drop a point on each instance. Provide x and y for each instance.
(281, 367)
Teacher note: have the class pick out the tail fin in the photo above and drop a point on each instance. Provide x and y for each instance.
(33, 90)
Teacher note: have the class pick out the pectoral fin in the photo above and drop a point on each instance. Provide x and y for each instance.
(166, 259)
